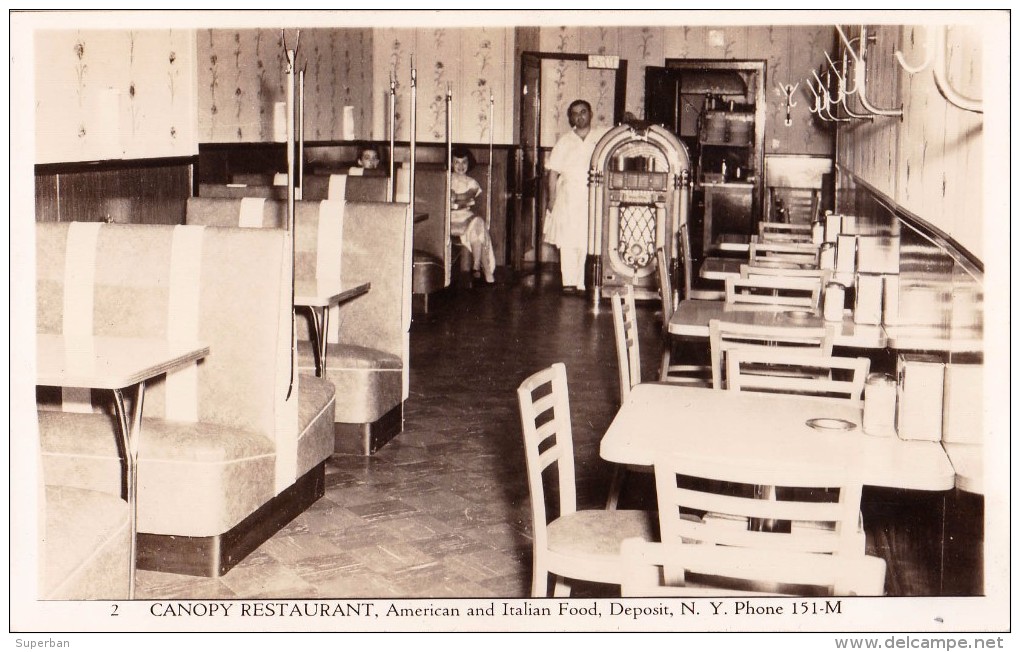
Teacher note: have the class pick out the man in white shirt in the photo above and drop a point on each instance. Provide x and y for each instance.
(566, 224)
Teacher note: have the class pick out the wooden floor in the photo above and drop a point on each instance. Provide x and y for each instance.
(442, 510)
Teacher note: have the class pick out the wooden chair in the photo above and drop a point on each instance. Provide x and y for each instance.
(727, 336)
(783, 254)
(669, 569)
(688, 267)
(669, 372)
(585, 544)
(782, 232)
(794, 205)
(781, 292)
(628, 362)
(754, 271)
(720, 504)
(788, 372)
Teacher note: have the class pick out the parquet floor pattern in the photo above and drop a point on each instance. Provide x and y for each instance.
(443, 510)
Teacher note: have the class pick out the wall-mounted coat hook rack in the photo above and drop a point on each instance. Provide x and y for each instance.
(787, 92)
(860, 64)
(841, 91)
(935, 47)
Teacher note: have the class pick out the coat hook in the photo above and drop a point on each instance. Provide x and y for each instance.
(788, 92)
(942, 79)
(928, 48)
(860, 74)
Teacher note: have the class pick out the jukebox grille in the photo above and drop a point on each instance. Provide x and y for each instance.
(636, 245)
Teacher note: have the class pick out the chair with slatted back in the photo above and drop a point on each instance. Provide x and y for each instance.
(725, 336)
(778, 292)
(808, 508)
(669, 372)
(754, 271)
(790, 372)
(688, 269)
(656, 569)
(782, 232)
(577, 544)
(793, 205)
(628, 363)
(783, 254)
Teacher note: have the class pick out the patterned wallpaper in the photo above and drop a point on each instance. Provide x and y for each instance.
(241, 77)
(930, 162)
(108, 94)
(473, 62)
(791, 53)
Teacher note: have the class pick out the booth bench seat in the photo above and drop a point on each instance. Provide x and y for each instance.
(233, 446)
(86, 539)
(368, 358)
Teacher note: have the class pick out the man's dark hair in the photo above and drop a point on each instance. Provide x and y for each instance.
(570, 108)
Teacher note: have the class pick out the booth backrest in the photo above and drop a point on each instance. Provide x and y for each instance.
(228, 288)
(317, 187)
(237, 191)
(431, 196)
(377, 248)
(318, 229)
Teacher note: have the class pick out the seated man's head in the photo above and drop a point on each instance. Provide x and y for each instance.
(368, 157)
(462, 160)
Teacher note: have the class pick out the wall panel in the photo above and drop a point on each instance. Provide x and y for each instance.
(110, 94)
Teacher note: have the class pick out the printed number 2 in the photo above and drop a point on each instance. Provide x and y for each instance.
(115, 607)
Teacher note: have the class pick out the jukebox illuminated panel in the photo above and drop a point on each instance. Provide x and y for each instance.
(638, 197)
(637, 207)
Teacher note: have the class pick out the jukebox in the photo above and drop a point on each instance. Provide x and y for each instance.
(638, 196)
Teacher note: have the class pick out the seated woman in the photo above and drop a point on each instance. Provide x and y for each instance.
(464, 223)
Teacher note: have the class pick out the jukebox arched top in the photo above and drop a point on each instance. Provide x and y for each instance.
(639, 195)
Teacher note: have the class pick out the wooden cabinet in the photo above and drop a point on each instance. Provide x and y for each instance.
(728, 209)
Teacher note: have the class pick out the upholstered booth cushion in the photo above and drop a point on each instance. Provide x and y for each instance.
(86, 547)
(194, 479)
(368, 381)
(316, 406)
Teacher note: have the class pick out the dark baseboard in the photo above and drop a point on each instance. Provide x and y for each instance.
(213, 556)
(367, 438)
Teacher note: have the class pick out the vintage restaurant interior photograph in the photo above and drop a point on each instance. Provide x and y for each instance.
(528, 307)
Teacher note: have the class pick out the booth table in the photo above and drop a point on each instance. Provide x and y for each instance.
(115, 363)
(319, 299)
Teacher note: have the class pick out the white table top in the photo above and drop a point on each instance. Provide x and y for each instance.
(719, 269)
(969, 465)
(692, 316)
(322, 296)
(766, 431)
(109, 362)
(935, 338)
(732, 242)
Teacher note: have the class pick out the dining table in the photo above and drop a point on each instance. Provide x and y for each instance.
(117, 364)
(692, 317)
(319, 297)
(768, 431)
(714, 268)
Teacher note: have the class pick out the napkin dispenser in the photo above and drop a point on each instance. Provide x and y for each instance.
(919, 384)
(964, 396)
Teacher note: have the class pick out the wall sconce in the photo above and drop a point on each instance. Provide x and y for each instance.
(787, 92)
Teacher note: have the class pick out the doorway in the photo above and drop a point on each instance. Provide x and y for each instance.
(717, 109)
(549, 82)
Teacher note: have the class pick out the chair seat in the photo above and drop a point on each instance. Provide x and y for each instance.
(707, 295)
(348, 356)
(87, 545)
(599, 533)
(425, 258)
(428, 273)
